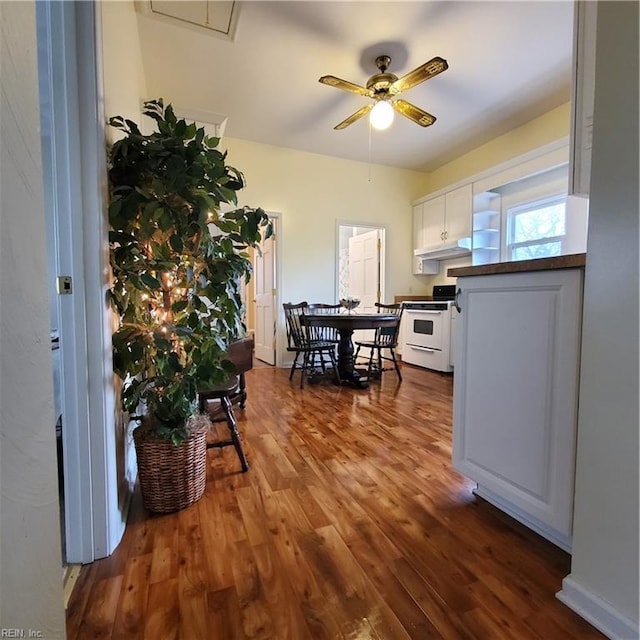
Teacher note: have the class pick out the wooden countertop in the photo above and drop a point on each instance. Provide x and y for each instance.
(572, 261)
(397, 299)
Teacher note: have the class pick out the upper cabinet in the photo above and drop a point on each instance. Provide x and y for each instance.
(457, 213)
(584, 65)
(421, 266)
(442, 225)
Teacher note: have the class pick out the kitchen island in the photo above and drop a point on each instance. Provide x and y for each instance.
(516, 387)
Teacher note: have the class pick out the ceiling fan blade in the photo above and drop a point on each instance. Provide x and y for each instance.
(414, 113)
(345, 85)
(354, 116)
(423, 72)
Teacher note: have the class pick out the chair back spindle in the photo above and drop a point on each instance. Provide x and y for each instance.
(324, 333)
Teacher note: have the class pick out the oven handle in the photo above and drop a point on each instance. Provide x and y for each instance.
(415, 346)
(455, 300)
(410, 310)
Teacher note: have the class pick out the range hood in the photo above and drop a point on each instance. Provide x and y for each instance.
(456, 249)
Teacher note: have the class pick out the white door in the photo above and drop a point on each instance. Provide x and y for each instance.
(364, 274)
(264, 275)
(364, 270)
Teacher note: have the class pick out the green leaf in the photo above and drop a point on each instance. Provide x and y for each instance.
(176, 243)
(150, 281)
(181, 128)
(180, 305)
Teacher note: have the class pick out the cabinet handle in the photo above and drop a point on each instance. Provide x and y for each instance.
(446, 235)
(455, 301)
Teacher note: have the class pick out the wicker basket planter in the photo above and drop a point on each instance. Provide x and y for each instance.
(171, 477)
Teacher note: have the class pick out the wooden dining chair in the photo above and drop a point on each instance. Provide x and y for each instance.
(304, 344)
(226, 394)
(385, 339)
(327, 334)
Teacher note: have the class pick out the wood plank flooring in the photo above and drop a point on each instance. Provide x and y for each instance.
(350, 524)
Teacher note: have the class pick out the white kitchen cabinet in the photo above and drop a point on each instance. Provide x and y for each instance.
(515, 393)
(420, 265)
(457, 213)
(433, 221)
(445, 218)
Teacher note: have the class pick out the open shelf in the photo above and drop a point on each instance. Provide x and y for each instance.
(486, 227)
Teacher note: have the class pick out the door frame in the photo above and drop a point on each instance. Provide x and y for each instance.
(69, 32)
(275, 218)
(383, 250)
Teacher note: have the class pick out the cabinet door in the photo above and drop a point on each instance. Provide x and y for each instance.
(433, 222)
(458, 213)
(417, 227)
(515, 394)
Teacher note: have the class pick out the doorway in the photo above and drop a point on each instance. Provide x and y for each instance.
(264, 298)
(72, 126)
(361, 266)
(360, 263)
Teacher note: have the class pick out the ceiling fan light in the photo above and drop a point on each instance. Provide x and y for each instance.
(381, 115)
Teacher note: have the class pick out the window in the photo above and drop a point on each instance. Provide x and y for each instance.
(536, 229)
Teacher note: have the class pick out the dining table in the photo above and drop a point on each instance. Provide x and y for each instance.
(346, 323)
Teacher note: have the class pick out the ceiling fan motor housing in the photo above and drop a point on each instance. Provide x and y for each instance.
(380, 83)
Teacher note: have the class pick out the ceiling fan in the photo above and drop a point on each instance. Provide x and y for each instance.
(383, 87)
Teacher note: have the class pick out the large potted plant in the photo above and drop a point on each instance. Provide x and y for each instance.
(177, 264)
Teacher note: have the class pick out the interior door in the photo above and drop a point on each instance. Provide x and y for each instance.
(364, 274)
(364, 270)
(264, 274)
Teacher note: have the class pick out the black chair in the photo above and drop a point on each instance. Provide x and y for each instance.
(302, 341)
(233, 391)
(326, 334)
(385, 338)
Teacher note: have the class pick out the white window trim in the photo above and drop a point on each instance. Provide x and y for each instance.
(515, 209)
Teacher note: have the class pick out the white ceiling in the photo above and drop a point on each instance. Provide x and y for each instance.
(509, 62)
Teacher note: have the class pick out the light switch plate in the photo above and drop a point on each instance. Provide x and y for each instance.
(63, 285)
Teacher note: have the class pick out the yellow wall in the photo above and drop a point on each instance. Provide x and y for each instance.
(123, 73)
(548, 128)
(124, 88)
(312, 193)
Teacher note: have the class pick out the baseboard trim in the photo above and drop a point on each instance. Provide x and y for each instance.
(597, 612)
(558, 538)
(70, 577)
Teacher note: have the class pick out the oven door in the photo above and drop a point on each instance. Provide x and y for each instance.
(425, 328)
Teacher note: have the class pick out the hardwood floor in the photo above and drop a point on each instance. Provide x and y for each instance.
(350, 524)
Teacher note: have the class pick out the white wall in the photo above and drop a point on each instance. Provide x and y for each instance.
(30, 554)
(604, 570)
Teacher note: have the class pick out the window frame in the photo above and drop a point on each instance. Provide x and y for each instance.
(530, 205)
